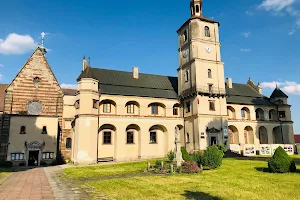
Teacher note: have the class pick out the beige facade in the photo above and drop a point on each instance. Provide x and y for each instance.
(115, 115)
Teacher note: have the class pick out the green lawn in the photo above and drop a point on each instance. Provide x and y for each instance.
(236, 179)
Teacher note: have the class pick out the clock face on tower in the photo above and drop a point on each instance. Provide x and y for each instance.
(208, 49)
(185, 53)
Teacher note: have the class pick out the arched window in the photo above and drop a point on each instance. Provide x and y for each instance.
(207, 32)
(23, 130)
(44, 131)
(187, 75)
(197, 9)
(69, 143)
(209, 73)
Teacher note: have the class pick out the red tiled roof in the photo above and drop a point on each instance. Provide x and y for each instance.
(2, 96)
(69, 92)
(297, 139)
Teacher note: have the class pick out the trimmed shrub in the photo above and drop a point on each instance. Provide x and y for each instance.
(185, 154)
(43, 163)
(22, 164)
(171, 155)
(190, 167)
(6, 164)
(281, 162)
(157, 164)
(212, 157)
(54, 162)
(221, 147)
(198, 158)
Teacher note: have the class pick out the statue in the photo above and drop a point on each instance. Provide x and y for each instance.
(178, 155)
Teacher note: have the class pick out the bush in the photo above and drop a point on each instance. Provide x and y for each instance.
(212, 157)
(198, 158)
(157, 164)
(43, 163)
(281, 162)
(54, 162)
(6, 164)
(185, 154)
(190, 167)
(22, 164)
(171, 155)
(221, 147)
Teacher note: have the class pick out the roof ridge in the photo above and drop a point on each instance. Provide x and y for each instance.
(131, 72)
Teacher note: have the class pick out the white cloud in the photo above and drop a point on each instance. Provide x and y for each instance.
(245, 50)
(246, 34)
(289, 87)
(1, 77)
(69, 86)
(17, 44)
(1, 65)
(292, 32)
(249, 13)
(276, 5)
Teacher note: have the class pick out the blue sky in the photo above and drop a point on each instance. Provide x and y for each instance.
(260, 38)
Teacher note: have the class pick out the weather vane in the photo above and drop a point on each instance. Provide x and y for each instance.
(43, 37)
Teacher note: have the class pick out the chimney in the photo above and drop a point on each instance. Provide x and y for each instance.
(229, 82)
(84, 64)
(135, 71)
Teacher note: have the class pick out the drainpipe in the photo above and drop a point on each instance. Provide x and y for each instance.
(98, 125)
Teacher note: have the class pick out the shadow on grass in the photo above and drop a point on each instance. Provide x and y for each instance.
(199, 195)
(265, 169)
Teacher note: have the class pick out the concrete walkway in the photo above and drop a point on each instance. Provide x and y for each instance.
(38, 183)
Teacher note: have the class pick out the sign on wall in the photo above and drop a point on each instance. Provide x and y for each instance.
(265, 150)
(235, 148)
(249, 150)
(289, 149)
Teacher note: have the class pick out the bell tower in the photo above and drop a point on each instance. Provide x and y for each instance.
(201, 83)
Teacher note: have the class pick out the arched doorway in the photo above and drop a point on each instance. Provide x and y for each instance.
(231, 112)
(260, 114)
(263, 135)
(277, 135)
(249, 135)
(245, 113)
(106, 141)
(233, 134)
(273, 115)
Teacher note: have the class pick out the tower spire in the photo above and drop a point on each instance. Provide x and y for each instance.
(196, 8)
(42, 47)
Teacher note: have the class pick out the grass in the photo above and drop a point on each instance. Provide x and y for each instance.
(106, 170)
(236, 179)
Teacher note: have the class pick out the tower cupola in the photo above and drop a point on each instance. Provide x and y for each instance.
(196, 8)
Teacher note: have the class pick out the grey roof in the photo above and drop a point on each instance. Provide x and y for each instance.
(122, 83)
(246, 94)
(277, 93)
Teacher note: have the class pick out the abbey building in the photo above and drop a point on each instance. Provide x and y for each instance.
(118, 115)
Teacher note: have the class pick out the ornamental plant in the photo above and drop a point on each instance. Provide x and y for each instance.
(212, 157)
(190, 167)
(171, 155)
(281, 162)
(185, 154)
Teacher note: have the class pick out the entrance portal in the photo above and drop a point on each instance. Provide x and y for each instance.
(213, 140)
(33, 158)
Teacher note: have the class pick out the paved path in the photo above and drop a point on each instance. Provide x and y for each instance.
(38, 183)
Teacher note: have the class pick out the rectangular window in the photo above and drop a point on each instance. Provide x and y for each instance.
(95, 103)
(153, 138)
(48, 155)
(188, 107)
(210, 88)
(185, 36)
(154, 110)
(107, 108)
(77, 104)
(107, 137)
(187, 75)
(281, 114)
(130, 109)
(212, 105)
(130, 137)
(243, 113)
(175, 111)
(17, 156)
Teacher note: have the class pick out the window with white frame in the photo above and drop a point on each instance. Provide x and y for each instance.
(48, 155)
(17, 156)
(130, 109)
(107, 108)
